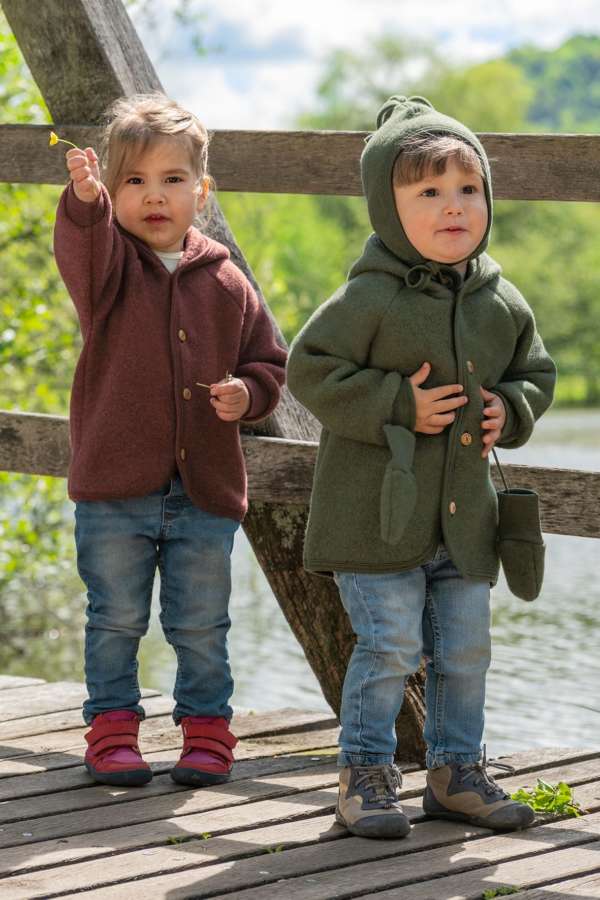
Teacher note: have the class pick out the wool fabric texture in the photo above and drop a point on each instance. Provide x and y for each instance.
(383, 500)
(137, 415)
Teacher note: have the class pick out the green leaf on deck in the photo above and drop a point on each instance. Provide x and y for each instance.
(548, 798)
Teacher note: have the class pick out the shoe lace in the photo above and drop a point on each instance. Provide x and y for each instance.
(477, 775)
(383, 782)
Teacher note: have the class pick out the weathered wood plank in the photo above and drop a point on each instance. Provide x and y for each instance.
(262, 842)
(587, 887)
(10, 682)
(92, 796)
(47, 697)
(350, 867)
(235, 800)
(157, 732)
(531, 871)
(309, 799)
(255, 842)
(550, 166)
(280, 471)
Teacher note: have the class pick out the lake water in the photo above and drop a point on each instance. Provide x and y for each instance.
(544, 684)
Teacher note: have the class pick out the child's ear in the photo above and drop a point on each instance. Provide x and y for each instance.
(202, 189)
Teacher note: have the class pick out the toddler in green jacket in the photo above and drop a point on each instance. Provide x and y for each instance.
(416, 367)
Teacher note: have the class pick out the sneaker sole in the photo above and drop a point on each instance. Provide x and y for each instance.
(133, 778)
(195, 778)
(476, 820)
(392, 830)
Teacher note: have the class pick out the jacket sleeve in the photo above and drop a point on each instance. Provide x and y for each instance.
(261, 361)
(329, 371)
(527, 385)
(89, 253)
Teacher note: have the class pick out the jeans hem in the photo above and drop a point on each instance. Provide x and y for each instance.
(437, 760)
(88, 716)
(346, 758)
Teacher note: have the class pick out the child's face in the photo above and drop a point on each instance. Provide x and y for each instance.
(444, 216)
(157, 197)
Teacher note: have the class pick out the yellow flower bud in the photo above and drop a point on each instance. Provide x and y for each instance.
(54, 139)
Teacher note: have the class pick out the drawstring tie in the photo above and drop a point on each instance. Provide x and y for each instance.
(418, 277)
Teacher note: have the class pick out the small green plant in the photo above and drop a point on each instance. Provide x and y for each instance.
(177, 839)
(276, 849)
(205, 835)
(500, 892)
(550, 798)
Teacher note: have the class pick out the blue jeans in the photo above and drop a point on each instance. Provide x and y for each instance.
(120, 544)
(398, 617)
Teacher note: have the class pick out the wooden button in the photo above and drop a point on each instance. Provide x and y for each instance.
(452, 507)
(187, 394)
(182, 335)
(470, 367)
(182, 453)
(466, 439)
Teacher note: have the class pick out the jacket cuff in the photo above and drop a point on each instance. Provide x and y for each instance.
(82, 213)
(260, 400)
(404, 410)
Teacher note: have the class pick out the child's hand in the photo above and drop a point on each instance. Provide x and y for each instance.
(85, 173)
(494, 423)
(230, 399)
(434, 406)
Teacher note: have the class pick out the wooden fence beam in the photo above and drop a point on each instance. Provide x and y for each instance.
(550, 166)
(280, 471)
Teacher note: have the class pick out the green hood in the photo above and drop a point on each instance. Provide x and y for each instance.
(399, 118)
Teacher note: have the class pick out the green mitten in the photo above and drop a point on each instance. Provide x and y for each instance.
(399, 488)
(520, 542)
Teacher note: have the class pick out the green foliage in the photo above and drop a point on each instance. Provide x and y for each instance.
(503, 891)
(566, 84)
(549, 798)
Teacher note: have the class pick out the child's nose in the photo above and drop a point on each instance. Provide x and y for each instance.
(454, 205)
(154, 195)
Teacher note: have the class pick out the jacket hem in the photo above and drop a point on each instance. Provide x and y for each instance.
(226, 512)
(327, 567)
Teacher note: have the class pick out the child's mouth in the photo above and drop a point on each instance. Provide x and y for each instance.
(155, 218)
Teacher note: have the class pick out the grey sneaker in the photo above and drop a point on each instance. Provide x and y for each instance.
(465, 792)
(368, 803)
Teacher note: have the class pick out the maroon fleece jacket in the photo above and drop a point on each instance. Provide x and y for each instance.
(137, 414)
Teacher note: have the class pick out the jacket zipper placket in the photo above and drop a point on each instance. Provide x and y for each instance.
(446, 497)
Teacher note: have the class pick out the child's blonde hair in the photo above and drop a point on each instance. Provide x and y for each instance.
(135, 122)
(428, 154)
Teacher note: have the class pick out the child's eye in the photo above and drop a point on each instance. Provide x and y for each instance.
(429, 192)
(135, 179)
(470, 189)
(174, 179)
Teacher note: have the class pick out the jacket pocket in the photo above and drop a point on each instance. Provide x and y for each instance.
(399, 486)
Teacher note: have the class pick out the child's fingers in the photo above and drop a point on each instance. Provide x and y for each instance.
(491, 423)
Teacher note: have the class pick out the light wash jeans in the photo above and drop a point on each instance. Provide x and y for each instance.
(398, 617)
(120, 544)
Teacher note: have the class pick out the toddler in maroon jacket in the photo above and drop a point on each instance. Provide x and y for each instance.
(177, 351)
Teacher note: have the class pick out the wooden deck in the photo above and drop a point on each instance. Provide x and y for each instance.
(267, 834)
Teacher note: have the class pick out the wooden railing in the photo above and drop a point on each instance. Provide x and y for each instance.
(524, 166)
(550, 167)
(280, 471)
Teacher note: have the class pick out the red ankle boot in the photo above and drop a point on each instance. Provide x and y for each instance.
(207, 756)
(113, 755)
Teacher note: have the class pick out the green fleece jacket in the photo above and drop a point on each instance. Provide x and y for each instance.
(384, 496)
